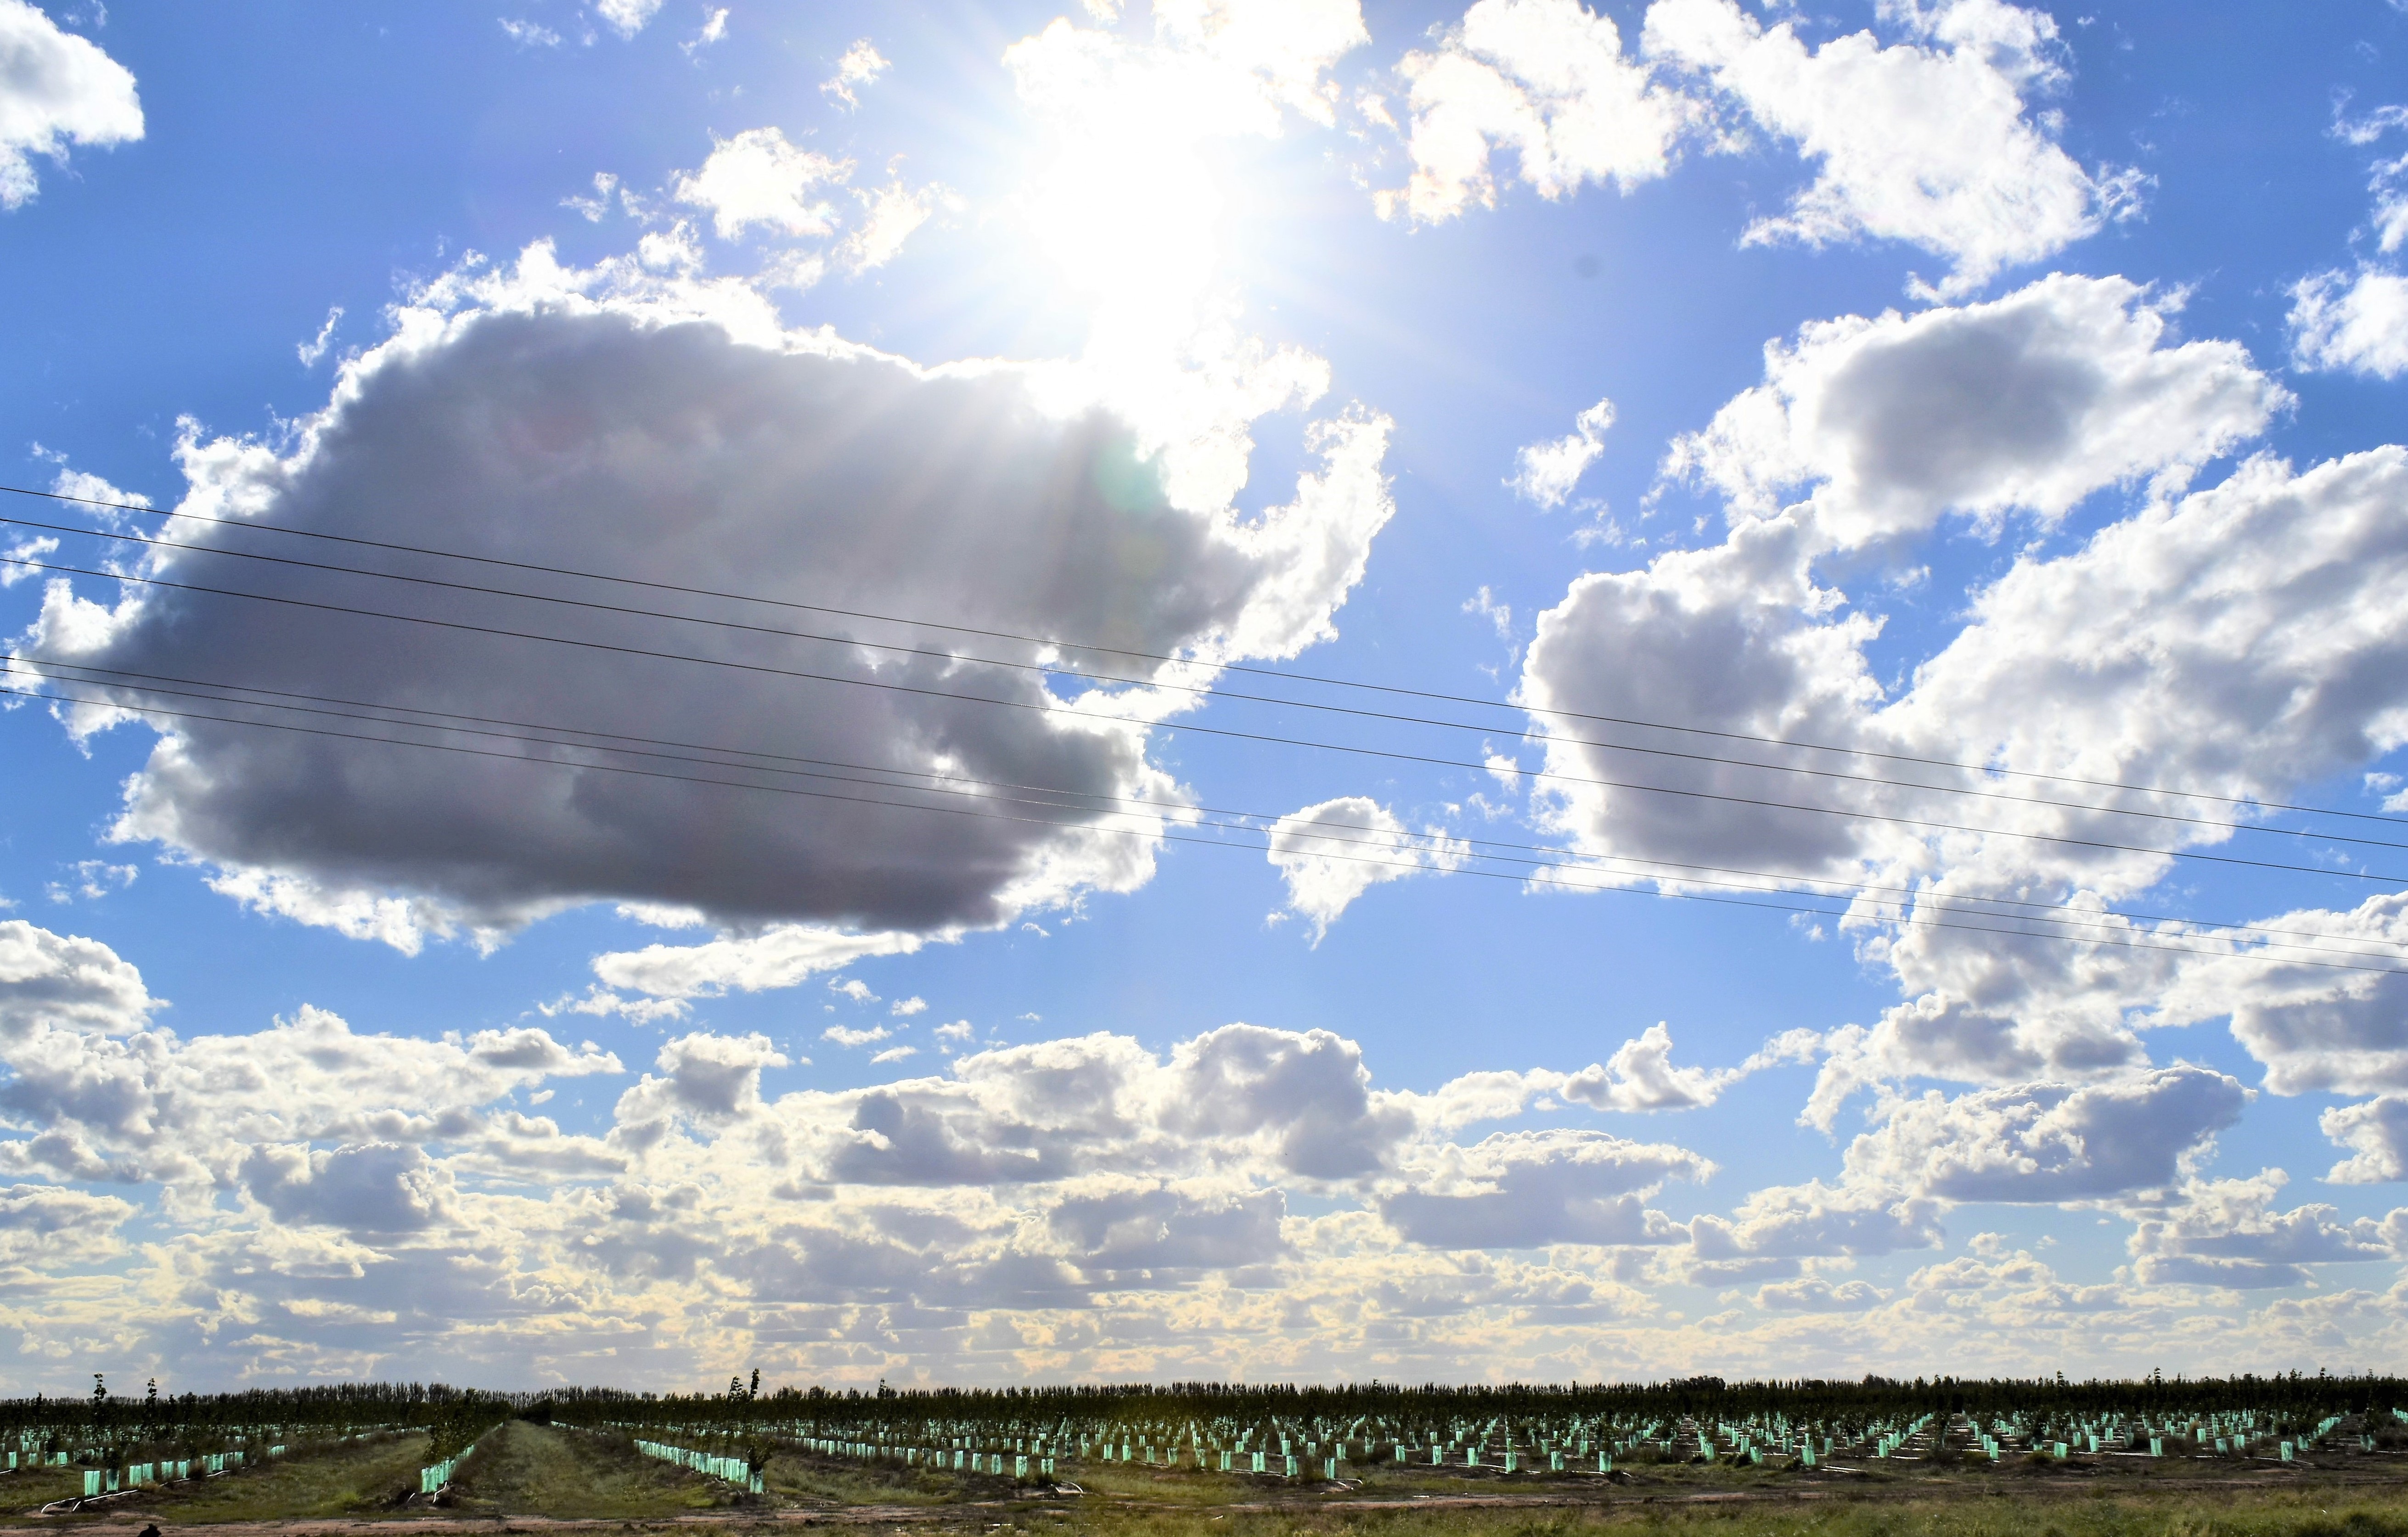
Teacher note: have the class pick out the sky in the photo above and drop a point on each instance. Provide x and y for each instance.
(1247, 690)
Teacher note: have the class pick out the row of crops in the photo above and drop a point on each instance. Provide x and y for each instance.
(1331, 1432)
(1044, 1433)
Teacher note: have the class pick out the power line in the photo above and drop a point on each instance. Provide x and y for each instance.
(1056, 708)
(1985, 769)
(1204, 692)
(1645, 868)
(1543, 877)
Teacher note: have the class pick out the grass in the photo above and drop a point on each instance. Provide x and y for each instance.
(2286, 1513)
(355, 1478)
(33, 1488)
(521, 1469)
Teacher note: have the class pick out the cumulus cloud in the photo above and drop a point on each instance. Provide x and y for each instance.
(2029, 404)
(2227, 1232)
(1928, 141)
(1545, 472)
(2244, 636)
(1250, 1192)
(48, 1229)
(2375, 1131)
(49, 980)
(371, 1188)
(1523, 1189)
(97, 1091)
(554, 414)
(1331, 853)
(2127, 1144)
(56, 89)
(2049, 1142)
(1640, 1076)
(757, 177)
(1545, 79)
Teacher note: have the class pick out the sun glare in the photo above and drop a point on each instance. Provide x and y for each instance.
(1122, 197)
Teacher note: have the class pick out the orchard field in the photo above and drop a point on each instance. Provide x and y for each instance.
(2241, 1455)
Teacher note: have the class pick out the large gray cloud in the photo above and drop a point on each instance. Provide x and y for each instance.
(624, 439)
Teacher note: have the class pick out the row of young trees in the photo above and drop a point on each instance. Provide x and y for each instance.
(106, 1427)
(455, 1416)
(1873, 1399)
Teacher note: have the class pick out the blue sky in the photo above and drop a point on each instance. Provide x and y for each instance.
(2000, 399)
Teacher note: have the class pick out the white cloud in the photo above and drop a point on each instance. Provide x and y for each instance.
(855, 989)
(894, 1054)
(778, 957)
(1545, 472)
(860, 65)
(2049, 1142)
(843, 1036)
(2375, 1131)
(1640, 1076)
(1547, 79)
(529, 33)
(1500, 618)
(903, 1008)
(1812, 1294)
(891, 214)
(311, 351)
(30, 549)
(47, 979)
(757, 177)
(56, 89)
(960, 1030)
(626, 17)
(1331, 853)
(603, 1003)
(714, 29)
(2352, 322)
(1928, 141)
(93, 881)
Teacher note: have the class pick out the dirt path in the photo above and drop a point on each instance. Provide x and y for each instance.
(587, 1486)
(521, 1471)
